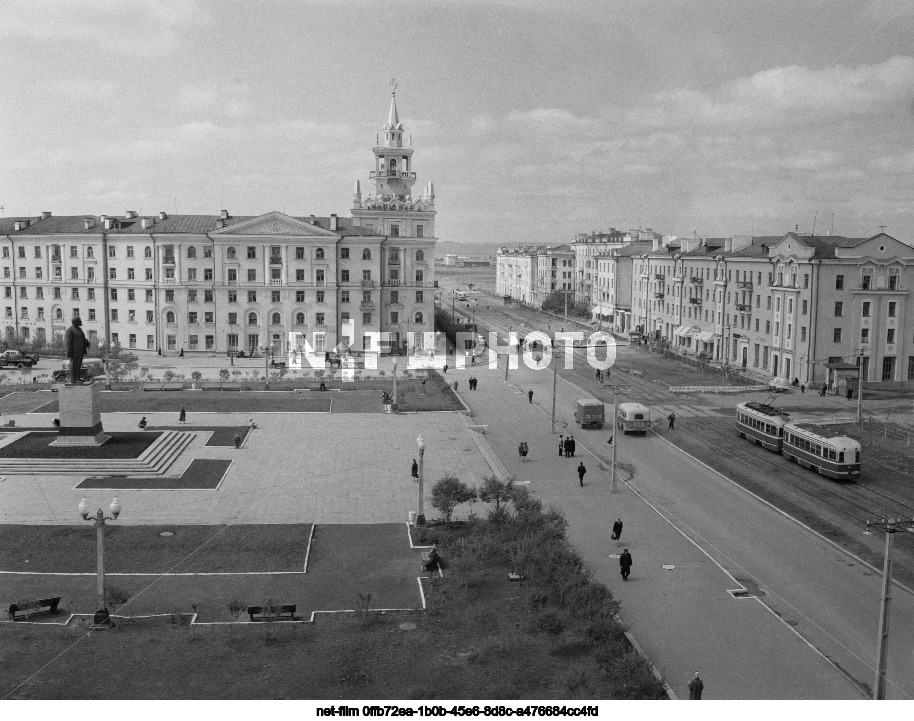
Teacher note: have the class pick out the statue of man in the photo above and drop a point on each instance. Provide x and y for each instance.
(77, 345)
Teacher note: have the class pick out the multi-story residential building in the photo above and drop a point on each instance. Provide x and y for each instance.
(516, 273)
(219, 283)
(586, 247)
(554, 272)
(614, 283)
(787, 306)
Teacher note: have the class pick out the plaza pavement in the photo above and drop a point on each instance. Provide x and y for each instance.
(294, 468)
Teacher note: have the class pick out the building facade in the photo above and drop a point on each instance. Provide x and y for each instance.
(222, 283)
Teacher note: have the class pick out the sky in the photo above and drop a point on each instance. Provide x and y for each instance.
(535, 121)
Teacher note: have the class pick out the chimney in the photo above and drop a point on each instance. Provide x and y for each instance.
(312, 221)
(89, 223)
(223, 215)
(103, 218)
(163, 215)
(109, 222)
(130, 214)
(147, 222)
(656, 245)
(45, 213)
(220, 223)
(333, 221)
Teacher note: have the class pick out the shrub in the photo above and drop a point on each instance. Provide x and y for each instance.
(549, 622)
(115, 596)
(168, 376)
(197, 375)
(448, 493)
(224, 374)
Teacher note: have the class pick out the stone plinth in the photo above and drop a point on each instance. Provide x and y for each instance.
(80, 416)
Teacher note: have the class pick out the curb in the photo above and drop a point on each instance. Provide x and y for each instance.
(488, 453)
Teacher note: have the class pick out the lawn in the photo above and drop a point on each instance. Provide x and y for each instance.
(201, 474)
(38, 445)
(481, 637)
(203, 402)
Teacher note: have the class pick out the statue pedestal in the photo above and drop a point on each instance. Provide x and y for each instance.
(80, 418)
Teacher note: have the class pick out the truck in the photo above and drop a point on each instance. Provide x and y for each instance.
(91, 369)
(589, 412)
(17, 359)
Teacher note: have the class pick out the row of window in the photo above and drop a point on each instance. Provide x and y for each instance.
(275, 252)
(816, 449)
(759, 424)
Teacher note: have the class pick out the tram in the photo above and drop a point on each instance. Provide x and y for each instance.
(822, 450)
(762, 424)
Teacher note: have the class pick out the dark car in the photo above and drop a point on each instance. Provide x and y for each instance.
(91, 369)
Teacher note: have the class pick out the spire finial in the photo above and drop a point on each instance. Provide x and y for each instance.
(393, 86)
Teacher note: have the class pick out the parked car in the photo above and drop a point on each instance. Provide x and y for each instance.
(92, 368)
(17, 359)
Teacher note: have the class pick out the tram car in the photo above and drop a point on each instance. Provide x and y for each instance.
(822, 450)
(762, 424)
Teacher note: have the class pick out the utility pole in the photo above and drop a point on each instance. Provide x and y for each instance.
(860, 389)
(566, 306)
(615, 442)
(555, 373)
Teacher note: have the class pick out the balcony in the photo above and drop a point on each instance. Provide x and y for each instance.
(367, 305)
(393, 261)
(55, 259)
(367, 283)
(169, 281)
(744, 284)
(231, 282)
(391, 174)
(169, 260)
(659, 294)
(57, 279)
(744, 307)
(275, 260)
(696, 280)
(659, 276)
(392, 282)
(276, 281)
(695, 301)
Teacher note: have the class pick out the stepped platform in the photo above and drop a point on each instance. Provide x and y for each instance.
(155, 460)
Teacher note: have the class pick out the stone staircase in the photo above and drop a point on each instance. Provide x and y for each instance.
(154, 461)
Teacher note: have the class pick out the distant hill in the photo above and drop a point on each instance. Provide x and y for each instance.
(444, 247)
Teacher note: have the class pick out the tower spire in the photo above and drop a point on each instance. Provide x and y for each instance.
(392, 119)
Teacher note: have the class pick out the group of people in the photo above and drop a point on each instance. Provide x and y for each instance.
(523, 449)
(566, 446)
(473, 383)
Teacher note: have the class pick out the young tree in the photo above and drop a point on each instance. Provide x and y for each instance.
(497, 492)
(122, 365)
(448, 493)
(224, 374)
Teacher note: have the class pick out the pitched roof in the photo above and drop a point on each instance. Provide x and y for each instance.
(172, 224)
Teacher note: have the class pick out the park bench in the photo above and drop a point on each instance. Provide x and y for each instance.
(179, 386)
(259, 613)
(45, 605)
(152, 387)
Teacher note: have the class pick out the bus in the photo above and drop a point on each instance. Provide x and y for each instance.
(822, 450)
(761, 423)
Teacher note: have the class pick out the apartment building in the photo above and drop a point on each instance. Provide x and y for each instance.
(221, 283)
(516, 273)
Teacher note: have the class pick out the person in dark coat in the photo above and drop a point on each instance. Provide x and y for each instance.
(237, 441)
(143, 423)
(182, 416)
(581, 472)
(568, 447)
(415, 471)
(445, 369)
(672, 419)
(574, 445)
(75, 342)
(433, 559)
(625, 564)
(181, 354)
(617, 529)
(561, 445)
(530, 395)
(696, 686)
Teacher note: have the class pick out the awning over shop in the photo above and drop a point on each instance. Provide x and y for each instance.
(682, 330)
(705, 336)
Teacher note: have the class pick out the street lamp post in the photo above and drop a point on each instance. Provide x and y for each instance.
(860, 389)
(615, 440)
(555, 373)
(508, 355)
(890, 527)
(395, 382)
(99, 520)
(420, 517)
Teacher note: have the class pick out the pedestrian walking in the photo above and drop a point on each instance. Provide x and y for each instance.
(574, 445)
(803, 388)
(568, 447)
(822, 391)
(581, 472)
(530, 395)
(455, 385)
(625, 564)
(237, 441)
(561, 445)
(415, 471)
(672, 419)
(696, 686)
(182, 416)
(523, 449)
(181, 354)
(445, 369)
(475, 383)
(610, 439)
(617, 529)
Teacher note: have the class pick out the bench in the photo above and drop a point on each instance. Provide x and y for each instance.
(45, 605)
(173, 386)
(258, 613)
(151, 387)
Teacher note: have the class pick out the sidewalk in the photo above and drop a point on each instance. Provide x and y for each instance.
(676, 602)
